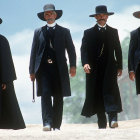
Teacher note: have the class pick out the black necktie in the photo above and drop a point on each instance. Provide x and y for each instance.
(51, 29)
(101, 29)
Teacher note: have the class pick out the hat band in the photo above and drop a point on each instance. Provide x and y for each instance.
(49, 10)
(101, 12)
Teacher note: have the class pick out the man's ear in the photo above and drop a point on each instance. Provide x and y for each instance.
(55, 15)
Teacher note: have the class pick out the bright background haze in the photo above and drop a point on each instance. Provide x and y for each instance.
(20, 20)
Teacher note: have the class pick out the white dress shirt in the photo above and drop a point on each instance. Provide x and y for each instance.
(51, 25)
(99, 26)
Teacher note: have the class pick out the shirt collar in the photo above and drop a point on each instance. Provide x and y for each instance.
(99, 26)
(51, 25)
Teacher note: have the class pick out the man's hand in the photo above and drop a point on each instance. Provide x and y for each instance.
(132, 75)
(3, 86)
(87, 68)
(119, 72)
(72, 71)
(32, 77)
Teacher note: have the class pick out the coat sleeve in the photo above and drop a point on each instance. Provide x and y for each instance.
(70, 49)
(118, 50)
(7, 70)
(33, 53)
(132, 48)
(84, 53)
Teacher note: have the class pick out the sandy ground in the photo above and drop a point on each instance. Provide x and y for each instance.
(127, 130)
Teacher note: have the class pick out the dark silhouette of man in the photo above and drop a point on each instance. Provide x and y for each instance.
(48, 65)
(10, 114)
(99, 45)
(134, 55)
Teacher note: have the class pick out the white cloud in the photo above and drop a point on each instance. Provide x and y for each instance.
(74, 27)
(125, 22)
(21, 42)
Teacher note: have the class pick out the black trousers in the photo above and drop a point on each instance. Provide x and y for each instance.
(112, 116)
(102, 120)
(51, 99)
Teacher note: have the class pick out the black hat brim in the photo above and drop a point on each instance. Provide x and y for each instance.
(58, 12)
(110, 13)
(136, 14)
(0, 20)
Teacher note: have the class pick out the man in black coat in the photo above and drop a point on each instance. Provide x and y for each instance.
(102, 61)
(10, 115)
(48, 65)
(134, 55)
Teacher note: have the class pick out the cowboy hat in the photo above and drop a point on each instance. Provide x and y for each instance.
(101, 9)
(49, 7)
(136, 14)
(0, 20)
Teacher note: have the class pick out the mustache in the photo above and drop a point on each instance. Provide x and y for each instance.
(101, 20)
(50, 19)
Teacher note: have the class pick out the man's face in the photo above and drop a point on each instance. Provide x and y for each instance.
(50, 16)
(101, 19)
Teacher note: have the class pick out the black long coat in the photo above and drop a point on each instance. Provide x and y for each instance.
(62, 43)
(10, 115)
(134, 55)
(89, 55)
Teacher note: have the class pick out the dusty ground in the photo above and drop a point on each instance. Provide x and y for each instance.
(128, 130)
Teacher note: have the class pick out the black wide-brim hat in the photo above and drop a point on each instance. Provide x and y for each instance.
(136, 14)
(101, 9)
(49, 7)
(0, 20)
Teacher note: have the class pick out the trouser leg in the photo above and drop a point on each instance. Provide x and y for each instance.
(57, 111)
(102, 121)
(46, 101)
(112, 117)
(46, 104)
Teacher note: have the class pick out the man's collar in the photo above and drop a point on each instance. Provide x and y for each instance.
(51, 25)
(101, 26)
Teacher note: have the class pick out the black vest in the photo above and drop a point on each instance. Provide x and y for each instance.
(49, 52)
(102, 47)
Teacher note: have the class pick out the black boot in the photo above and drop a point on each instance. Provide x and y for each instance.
(112, 117)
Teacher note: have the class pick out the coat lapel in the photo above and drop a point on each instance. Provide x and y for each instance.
(43, 33)
(138, 34)
(108, 29)
(108, 33)
(56, 35)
